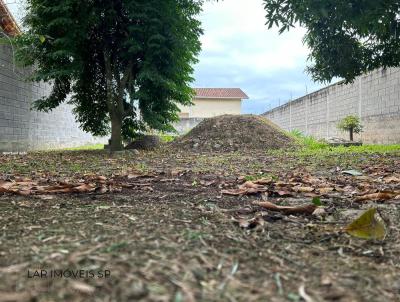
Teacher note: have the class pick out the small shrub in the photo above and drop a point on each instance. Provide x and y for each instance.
(352, 124)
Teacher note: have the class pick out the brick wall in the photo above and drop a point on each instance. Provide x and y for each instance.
(374, 97)
(22, 129)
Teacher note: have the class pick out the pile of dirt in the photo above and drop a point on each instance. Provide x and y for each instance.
(229, 133)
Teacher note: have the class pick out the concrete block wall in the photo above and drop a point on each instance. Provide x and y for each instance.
(186, 124)
(22, 129)
(374, 97)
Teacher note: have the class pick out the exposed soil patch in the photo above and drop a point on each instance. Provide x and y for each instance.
(233, 133)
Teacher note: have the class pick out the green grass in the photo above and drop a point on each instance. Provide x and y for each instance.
(311, 145)
(166, 138)
(84, 148)
(308, 142)
(366, 149)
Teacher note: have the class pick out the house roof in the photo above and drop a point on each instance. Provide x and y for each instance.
(220, 93)
(7, 21)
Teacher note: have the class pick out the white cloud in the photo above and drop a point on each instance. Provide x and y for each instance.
(239, 50)
(235, 32)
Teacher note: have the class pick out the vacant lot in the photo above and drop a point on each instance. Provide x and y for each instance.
(183, 227)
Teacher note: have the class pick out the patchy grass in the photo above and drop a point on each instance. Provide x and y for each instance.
(357, 150)
(86, 148)
(166, 138)
(308, 142)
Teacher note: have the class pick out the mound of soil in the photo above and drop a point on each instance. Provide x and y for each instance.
(146, 142)
(229, 133)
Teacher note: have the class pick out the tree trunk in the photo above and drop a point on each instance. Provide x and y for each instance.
(116, 133)
(351, 134)
(115, 107)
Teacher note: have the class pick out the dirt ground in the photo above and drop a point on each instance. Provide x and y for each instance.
(171, 235)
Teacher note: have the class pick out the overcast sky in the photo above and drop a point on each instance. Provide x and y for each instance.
(240, 51)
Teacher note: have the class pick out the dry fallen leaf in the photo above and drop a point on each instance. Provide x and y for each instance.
(250, 224)
(250, 185)
(391, 179)
(304, 295)
(247, 188)
(289, 210)
(367, 226)
(234, 192)
(15, 297)
(84, 188)
(101, 190)
(5, 186)
(303, 189)
(352, 173)
(283, 193)
(101, 178)
(83, 287)
(325, 190)
(263, 181)
(319, 212)
(377, 196)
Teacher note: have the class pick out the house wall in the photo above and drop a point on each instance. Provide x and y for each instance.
(374, 97)
(22, 129)
(205, 108)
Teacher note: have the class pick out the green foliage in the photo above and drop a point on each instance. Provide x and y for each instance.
(317, 201)
(123, 62)
(167, 138)
(349, 123)
(346, 37)
(308, 142)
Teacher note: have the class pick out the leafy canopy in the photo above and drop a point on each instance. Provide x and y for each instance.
(346, 37)
(351, 123)
(128, 62)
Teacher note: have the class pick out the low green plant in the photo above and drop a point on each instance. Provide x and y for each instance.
(86, 147)
(308, 141)
(352, 124)
(167, 138)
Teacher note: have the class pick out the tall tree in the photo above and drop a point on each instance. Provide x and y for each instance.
(121, 63)
(346, 37)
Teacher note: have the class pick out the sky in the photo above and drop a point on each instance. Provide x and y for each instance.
(240, 51)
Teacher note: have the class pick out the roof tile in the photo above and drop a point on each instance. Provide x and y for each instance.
(225, 93)
(7, 21)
